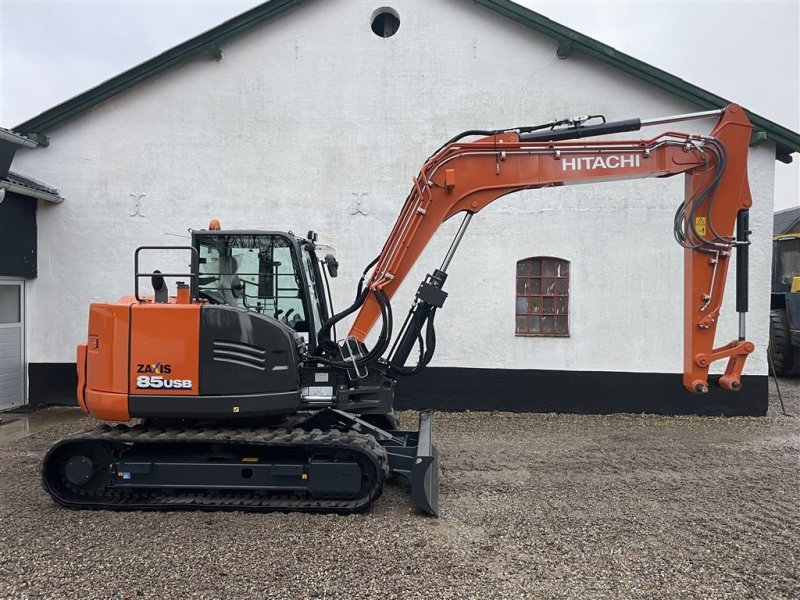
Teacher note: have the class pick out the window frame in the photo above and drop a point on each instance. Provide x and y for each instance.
(529, 275)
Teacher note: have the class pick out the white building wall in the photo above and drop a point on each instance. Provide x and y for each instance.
(310, 117)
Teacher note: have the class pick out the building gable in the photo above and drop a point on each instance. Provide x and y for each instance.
(568, 41)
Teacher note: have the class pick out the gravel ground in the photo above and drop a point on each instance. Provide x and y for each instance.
(533, 506)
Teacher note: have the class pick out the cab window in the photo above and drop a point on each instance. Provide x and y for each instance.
(789, 252)
(256, 272)
(314, 288)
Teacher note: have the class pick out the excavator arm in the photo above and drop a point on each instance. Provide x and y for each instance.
(466, 176)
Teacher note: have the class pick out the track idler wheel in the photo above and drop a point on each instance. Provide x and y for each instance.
(79, 470)
(76, 470)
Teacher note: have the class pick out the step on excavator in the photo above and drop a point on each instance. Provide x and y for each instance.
(246, 398)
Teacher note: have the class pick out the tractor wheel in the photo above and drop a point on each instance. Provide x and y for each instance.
(780, 344)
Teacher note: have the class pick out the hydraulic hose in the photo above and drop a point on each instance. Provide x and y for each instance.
(384, 337)
(426, 348)
(684, 223)
(361, 297)
(325, 330)
(364, 275)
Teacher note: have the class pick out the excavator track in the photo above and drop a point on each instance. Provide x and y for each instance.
(243, 469)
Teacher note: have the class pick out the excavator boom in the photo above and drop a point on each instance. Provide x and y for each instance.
(466, 176)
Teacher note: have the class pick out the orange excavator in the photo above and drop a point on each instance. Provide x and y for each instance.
(243, 396)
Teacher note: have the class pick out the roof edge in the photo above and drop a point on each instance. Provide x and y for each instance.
(30, 192)
(7, 135)
(786, 140)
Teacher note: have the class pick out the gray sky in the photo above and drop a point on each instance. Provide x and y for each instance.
(748, 52)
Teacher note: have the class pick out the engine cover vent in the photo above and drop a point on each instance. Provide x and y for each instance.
(240, 354)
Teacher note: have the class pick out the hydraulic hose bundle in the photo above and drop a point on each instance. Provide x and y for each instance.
(429, 298)
(686, 216)
(330, 349)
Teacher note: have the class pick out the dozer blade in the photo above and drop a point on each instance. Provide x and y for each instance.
(425, 472)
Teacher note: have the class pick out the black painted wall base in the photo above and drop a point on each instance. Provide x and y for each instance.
(584, 392)
(447, 388)
(52, 384)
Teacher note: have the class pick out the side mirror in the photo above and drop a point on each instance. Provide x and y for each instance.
(332, 265)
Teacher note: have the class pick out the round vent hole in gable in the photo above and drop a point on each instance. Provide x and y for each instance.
(385, 22)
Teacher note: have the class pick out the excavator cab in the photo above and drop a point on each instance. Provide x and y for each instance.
(274, 274)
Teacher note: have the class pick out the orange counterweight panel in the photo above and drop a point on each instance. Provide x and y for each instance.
(107, 348)
(105, 394)
(108, 406)
(82, 378)
(165, 349)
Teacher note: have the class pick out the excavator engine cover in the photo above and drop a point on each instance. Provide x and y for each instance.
(146, 360)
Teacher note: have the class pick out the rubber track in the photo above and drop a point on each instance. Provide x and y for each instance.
(128, 499)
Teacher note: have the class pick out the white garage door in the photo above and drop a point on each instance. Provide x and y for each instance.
(12, 373)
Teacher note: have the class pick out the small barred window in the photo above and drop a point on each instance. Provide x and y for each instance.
(543, 297)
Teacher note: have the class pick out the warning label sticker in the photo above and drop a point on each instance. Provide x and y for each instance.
(700, 225)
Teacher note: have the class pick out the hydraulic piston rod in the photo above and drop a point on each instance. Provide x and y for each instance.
(430, 296)
(684, 117)
(583, 131)
(742, 267)
(456, 241)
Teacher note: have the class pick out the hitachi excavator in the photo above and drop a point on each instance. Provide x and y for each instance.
(245, 400)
